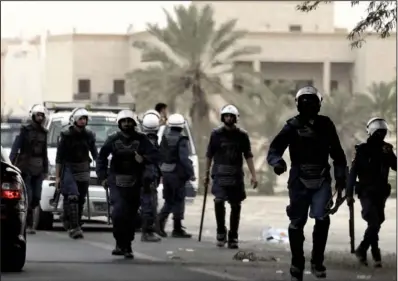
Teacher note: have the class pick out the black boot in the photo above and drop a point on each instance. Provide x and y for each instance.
(179, 231)
(376, 254)
(219, 209)
(234, 220)
(148, 233)
(319, 239)
(296, 240)
(128, 252)
(117, 251)
(361, 253)
(160, 226)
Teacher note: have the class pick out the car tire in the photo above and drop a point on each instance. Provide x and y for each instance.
(46, 221)
(14, 258)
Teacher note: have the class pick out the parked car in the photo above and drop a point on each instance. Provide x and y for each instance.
(14, 208)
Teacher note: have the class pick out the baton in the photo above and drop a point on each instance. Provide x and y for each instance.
(108, 204)
(203, 213)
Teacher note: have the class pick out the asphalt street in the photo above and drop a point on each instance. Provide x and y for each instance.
(53, 256)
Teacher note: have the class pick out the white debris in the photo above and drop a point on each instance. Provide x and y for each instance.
(245, 260)
(275, 235)
(279, 272)
(169, 252)
(307, 272)
(189, 250)
(364, 277)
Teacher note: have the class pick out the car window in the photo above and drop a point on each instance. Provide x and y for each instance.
(4, 157)
(8, 134)
(101, 127)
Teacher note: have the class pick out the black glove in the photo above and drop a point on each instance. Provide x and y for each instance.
(280, 167)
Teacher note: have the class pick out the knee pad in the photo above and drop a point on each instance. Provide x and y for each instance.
(325, 222)
(296, 224)
(73, 198)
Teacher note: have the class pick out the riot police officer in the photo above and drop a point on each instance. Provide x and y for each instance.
(311, 139)
(176, 169)
(149, 196)
(73, 168)
(29, 154)
(131, 152)
(371, 164)
(226, 146)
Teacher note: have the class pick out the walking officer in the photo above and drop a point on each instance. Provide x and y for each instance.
(176, 170)
(149, 196)
(29, 154)
(226, 146)
(131, 152)
(73, 168)
(371, 165)
(311, 139)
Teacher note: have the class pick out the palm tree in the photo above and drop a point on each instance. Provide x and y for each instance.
(349, 112)
(190, 55)
(270, 107)
(382, 101)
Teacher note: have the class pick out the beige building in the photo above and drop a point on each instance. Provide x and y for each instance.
(294, 46)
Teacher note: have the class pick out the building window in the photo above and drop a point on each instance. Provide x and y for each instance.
(118, 87)
(334, 85)
(84, 86)
(295, 28)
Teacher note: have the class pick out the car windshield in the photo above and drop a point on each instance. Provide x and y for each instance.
(101, 127)
(8, 134)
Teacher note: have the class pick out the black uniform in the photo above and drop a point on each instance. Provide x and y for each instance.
(73, 155)
(310, 142)
(371, 165)
(226, 147)
(29, 154)
(125, 179)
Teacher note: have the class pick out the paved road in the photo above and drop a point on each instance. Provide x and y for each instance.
(52, 256)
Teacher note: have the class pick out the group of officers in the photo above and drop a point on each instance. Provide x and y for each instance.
(138, 164)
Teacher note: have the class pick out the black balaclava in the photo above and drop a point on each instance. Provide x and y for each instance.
(378, 136)
(308, 105)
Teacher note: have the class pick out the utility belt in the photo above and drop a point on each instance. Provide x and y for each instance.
(168, 167)
(228, 175)
(125, 180)
(80, 171)
(312, 176)
(35, 165)
(382, 189)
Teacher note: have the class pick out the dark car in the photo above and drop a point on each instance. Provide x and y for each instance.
(14, 208)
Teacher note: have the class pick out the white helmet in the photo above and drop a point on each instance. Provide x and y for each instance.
(308, 90)
(126, 114)
(375, 124)
(153, 112)
(150, 122)
(38, 108)
(78, 113)
(176, 120)
(229, 109)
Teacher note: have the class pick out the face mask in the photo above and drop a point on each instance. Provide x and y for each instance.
(378, 136)
(308, 106)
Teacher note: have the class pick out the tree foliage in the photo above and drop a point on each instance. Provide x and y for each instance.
(189, 56)
(381, 17)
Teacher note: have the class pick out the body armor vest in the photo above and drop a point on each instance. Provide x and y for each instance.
(125, 167)
(312, 152)
(228, 161)
(154, 139)
(35, 147)
(77, 156)
(169, 152)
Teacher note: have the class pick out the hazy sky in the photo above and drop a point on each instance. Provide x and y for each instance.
(32, 17)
